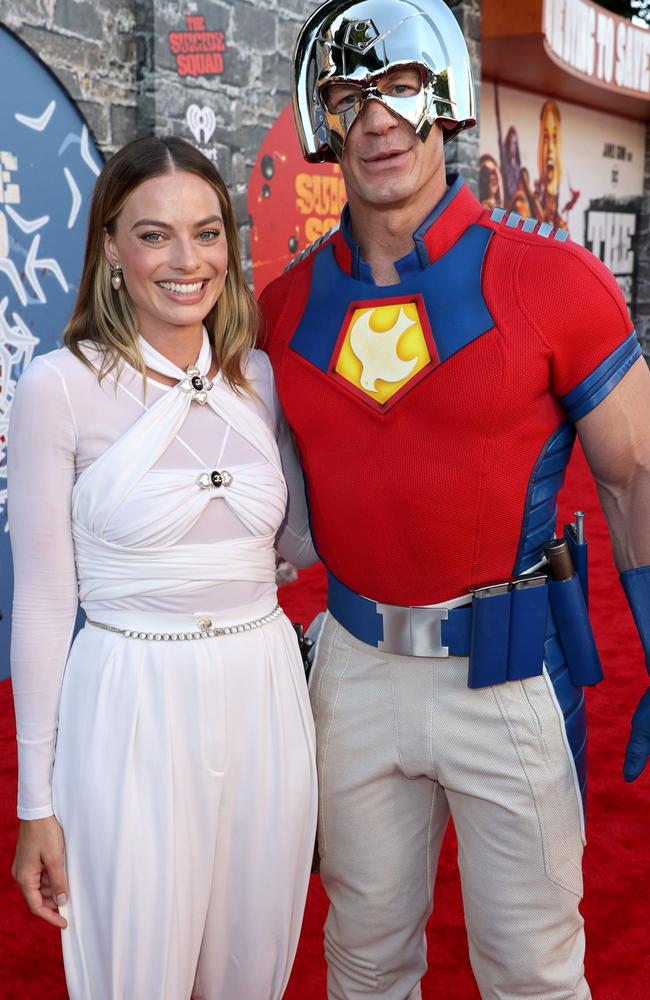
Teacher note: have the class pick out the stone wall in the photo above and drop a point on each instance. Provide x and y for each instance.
(463, 153)
(91, 48)
(238, 104)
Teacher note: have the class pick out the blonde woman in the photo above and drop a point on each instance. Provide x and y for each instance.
(168, 757)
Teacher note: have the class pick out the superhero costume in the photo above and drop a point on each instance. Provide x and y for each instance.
(435, 419)
(422, 489)
(526, 336)
(442, 477)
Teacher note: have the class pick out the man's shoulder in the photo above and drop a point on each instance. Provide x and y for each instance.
(523, 229)
(292, 286)
(547, 252)
(301, 264)
(313, 248)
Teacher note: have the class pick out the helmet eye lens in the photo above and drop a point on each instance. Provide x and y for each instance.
(340, 97)
(398, 83)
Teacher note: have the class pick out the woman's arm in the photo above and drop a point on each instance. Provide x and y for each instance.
(293, 540)
(38, 868)
(41, 470)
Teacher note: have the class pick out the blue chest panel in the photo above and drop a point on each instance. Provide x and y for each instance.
(450, 288)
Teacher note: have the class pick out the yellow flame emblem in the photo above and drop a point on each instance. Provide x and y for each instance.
(383, 349)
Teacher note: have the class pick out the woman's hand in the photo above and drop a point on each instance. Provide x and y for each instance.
(38, 868)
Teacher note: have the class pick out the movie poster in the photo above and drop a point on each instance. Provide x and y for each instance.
(573, 167)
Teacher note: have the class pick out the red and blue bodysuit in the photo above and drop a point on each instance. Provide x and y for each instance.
(435, 418)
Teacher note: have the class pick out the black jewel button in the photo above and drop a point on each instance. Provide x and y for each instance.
(216, 478)
(197, 383)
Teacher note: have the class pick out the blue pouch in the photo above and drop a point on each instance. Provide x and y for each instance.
(488, 656)
(528, 611)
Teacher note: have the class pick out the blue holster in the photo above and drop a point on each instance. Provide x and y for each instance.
(511, 624)
(568, 604)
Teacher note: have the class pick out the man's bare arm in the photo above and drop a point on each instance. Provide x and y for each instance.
(615, 437)
(616, 440)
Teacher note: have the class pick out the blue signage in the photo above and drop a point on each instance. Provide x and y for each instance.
(48, 167)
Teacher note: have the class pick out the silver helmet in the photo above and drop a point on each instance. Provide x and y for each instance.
(355, 43)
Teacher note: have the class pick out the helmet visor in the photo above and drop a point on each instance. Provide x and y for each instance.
(402, 91)
(392, 88)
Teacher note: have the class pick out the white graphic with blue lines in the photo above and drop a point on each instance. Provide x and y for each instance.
(48, 166)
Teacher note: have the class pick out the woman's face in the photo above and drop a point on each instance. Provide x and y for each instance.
(170, 242)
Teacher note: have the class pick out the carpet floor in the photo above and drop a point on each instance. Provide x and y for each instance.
(617, 859)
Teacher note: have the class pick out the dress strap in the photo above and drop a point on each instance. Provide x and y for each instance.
(157, 362)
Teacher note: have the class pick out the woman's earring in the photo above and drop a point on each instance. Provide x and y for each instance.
(116, 276)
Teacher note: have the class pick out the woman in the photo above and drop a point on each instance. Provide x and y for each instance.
(145, 473)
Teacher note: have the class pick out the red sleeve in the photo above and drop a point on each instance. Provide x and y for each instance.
(282, 303)
(576, 306)
(270, 302)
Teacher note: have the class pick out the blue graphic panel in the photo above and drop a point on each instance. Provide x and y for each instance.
(48, 166)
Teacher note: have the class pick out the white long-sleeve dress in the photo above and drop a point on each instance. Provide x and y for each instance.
(181, 770)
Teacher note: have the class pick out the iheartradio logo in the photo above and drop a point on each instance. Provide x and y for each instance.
(201, 123)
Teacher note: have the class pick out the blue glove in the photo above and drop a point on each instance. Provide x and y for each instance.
(636, 584)
(638, 745)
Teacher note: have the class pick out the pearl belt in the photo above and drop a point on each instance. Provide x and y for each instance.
(205, 631)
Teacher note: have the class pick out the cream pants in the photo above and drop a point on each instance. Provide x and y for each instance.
(185, 785)
(402, 744)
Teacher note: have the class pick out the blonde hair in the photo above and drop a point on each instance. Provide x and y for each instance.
(107, 319)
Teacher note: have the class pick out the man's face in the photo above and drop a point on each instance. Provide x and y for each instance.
(550, 166)
(384, 163)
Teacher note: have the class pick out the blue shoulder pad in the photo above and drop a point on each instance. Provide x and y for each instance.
(312, 246)
(512, 219)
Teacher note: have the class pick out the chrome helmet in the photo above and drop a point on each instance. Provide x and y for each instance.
(355, 43)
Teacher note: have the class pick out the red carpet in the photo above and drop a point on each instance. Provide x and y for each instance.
(617, 860)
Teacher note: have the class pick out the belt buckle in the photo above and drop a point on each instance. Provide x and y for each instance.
(413, 631)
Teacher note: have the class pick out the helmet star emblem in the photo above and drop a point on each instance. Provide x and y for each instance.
(360, 34)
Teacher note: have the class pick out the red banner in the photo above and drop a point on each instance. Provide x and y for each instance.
(291, 202)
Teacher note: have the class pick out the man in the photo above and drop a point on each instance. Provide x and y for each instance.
(432, 360)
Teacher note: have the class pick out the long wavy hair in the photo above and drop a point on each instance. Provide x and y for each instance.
(107, 319)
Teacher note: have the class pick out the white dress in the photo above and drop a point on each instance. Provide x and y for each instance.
(183, 776)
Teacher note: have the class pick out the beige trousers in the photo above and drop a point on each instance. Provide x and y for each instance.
(402, 744)
(186, 788)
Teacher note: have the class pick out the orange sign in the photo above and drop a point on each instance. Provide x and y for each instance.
(569, 49)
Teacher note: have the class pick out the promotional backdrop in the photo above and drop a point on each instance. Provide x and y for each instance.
(569, 165)
(48, 165)
(291, 202)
